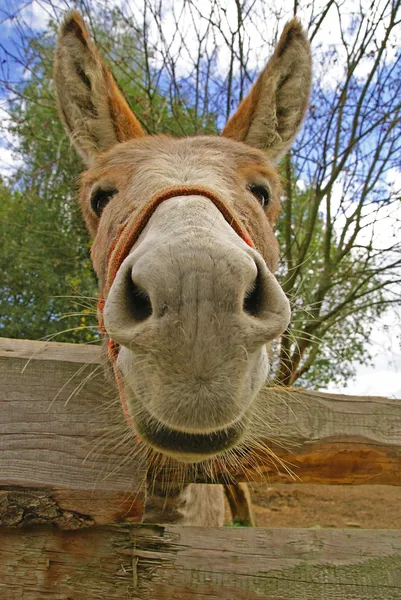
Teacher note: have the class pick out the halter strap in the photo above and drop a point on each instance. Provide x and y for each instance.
(126, 237)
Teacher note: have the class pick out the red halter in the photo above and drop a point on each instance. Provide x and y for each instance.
(126, 237)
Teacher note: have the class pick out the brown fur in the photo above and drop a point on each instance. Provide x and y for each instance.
(95, 112)
(109, 137)
(126, 166)
(269, 117)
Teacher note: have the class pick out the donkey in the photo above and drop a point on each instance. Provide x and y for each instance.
(185, 253)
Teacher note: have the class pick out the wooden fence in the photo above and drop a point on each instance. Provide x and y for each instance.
(77, 523)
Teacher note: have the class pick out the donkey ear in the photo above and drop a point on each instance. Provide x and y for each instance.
(95, 112)
(270, 116)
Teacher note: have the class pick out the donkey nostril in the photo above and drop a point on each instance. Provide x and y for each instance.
(253, 302)
(138, 301)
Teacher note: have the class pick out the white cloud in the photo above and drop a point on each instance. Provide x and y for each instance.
(337, 32)
(383, 378)
(36, 14)
(380, 221)
(8, 163)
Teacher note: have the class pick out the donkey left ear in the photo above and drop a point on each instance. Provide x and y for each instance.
(95, 113)
(270, 116)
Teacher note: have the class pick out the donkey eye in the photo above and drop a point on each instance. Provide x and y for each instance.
(261, 193)
(100, 197)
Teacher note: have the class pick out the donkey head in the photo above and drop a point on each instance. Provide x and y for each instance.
(183, 245)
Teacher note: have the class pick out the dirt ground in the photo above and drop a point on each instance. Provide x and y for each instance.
(302, 505)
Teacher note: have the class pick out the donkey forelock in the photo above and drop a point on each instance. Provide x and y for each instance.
(192, 302)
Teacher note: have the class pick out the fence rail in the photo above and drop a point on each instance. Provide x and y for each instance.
(57, 409)
(65, 471)
(144, 562)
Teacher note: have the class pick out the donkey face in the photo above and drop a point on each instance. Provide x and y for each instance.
(184, 245)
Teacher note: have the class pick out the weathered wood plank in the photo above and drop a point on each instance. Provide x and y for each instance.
(34, 350)
(160, 563)
(41, 562)
(323, 438)
(330, 438)
(273, 564)
(56, 439)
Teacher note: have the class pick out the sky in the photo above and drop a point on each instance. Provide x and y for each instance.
(383, 377)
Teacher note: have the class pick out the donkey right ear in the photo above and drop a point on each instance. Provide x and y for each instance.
(270, 116)
(94, 111)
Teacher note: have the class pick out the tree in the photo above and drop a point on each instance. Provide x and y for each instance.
(349, 302)
(44, 246)
(45, 267)
(49, 288)
(339, 272)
